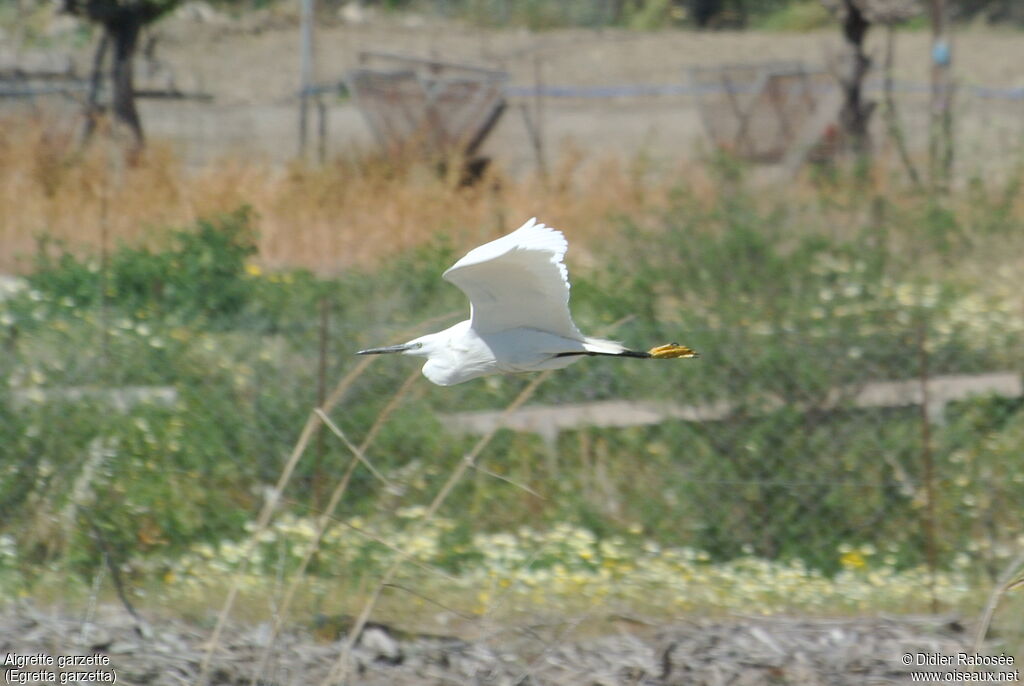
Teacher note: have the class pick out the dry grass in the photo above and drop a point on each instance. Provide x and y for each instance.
(352, 210)
(361, 208)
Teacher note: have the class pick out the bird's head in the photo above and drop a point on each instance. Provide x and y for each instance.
(424, 346)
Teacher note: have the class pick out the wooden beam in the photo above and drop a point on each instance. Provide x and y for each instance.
(549, 420)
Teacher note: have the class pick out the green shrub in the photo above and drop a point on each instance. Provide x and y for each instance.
(202, 273)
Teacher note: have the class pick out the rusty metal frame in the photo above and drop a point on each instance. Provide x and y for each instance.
(757, 110)
(437, 107)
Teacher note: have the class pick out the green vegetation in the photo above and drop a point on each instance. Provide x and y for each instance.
(561, 569)
(198, 276)
(793, 305)
(797, 16)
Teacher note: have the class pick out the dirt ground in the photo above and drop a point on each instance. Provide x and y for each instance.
(738, 651)
(253, 74)
(250, 67)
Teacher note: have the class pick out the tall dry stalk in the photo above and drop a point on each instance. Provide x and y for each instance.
(1012, 577)
(312, 426)
(327, 516)
(339, 671)
(270, 506)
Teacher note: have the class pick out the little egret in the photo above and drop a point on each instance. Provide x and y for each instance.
(519, 319)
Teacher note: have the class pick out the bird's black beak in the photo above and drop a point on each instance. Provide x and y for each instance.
(386, 349)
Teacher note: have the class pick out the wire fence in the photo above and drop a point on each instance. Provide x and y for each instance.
(665, 119)
(876, 426)
(848, 441)
(987, 132)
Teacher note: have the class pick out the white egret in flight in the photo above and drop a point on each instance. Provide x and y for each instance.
(519, 321)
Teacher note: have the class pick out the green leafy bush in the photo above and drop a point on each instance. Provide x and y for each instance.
(201, 274)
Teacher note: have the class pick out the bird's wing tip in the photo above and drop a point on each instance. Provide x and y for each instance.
(539, 236)
(531, 236)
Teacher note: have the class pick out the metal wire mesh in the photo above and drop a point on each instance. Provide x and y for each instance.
(782, 445)
(759, 111)
(437, 107)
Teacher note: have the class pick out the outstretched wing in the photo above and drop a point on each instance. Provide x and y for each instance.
(518, 280)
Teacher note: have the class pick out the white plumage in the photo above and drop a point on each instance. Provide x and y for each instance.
(518, 288)
(518, 280)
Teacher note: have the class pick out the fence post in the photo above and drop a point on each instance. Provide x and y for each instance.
(321, 133)
(538, 116)
(928, 463)
(940, 134)
(305, 69)
(891, 116)
(321, 394)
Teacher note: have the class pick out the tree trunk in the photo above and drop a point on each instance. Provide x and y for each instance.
(856, 112)
(704, 11)
(124, 37)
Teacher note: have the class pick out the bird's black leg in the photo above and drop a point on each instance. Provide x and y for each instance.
(591, 353)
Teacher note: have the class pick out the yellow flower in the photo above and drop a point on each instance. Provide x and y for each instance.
(253, 269)
(852, 560)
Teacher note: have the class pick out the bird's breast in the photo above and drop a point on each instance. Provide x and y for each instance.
(463, 357)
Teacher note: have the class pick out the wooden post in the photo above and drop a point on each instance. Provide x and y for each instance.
(321, 398)
(940, 133)
(321, 130)
(928, 465)
(104, 277)
(538, 116)
(891, 115)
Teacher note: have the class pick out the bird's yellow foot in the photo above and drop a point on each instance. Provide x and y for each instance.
(671, 350)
